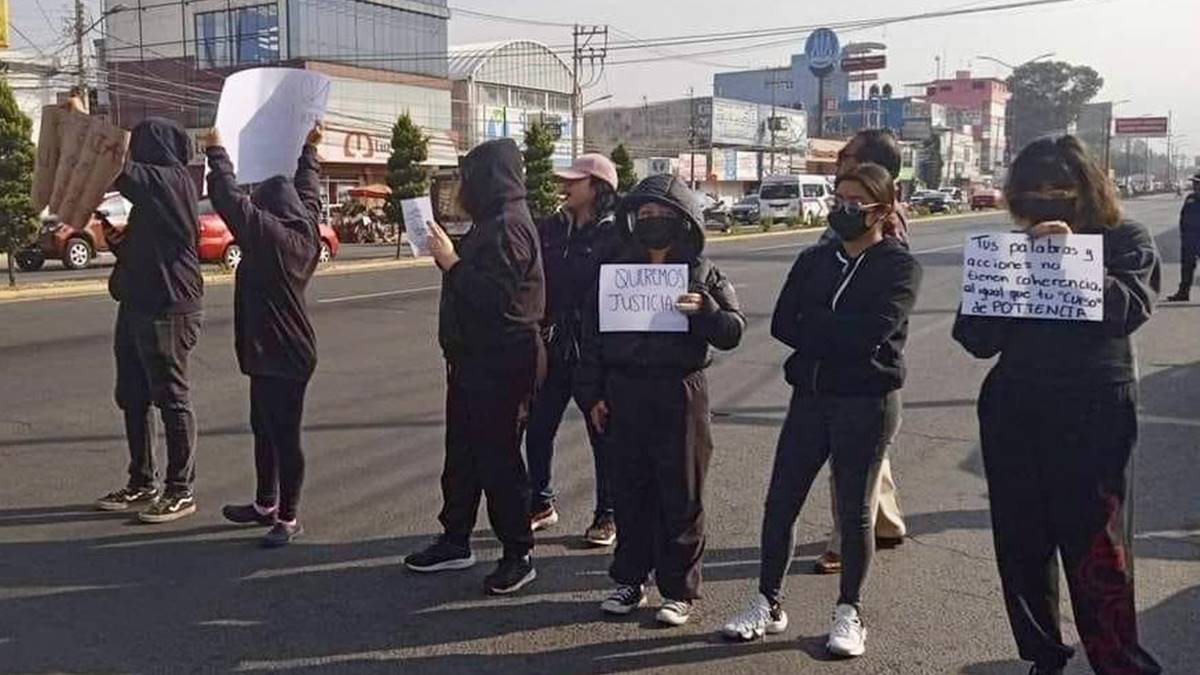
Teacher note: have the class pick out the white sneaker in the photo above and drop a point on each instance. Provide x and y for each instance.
(848, 635)
(674, 612)
(756, 620)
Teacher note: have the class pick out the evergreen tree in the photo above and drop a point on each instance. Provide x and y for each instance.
(406, 175)
(539, 170)
(626, 176)
(16, 177)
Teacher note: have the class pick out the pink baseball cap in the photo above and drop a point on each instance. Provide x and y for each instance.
(591, 165)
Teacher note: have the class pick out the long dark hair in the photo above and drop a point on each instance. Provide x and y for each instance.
(606, 200)
(1056, 179)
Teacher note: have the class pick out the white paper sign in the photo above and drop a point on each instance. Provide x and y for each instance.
(417, 214)
(1010, 275)
(265, 115)
(641, 298)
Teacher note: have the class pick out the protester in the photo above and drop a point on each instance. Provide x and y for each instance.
(574, 243)
(492, 301)
(647, 392)
(1058, 425)
(157, 284)
(876, 146)
(1189, 235)
(844, 311)
(276, 228)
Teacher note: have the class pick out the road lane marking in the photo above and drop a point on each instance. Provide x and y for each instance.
(382, 294)
(939, 249)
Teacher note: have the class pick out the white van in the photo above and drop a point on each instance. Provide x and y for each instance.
(795, 196)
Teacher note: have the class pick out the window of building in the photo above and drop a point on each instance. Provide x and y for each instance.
(528, 99)
(931, 91)
(212, 39)
(233, 37)
(559, 102)
(492, 94)
(946, 87)
(979, 85)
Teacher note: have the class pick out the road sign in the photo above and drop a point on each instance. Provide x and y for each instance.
(822, 50)
(1143, 126)
(863, 77)
(858, 64)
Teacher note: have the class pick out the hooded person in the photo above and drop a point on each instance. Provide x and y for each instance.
(276, 228)
(1189, 239)
(647, 392)
(493, 299)
(158, 286)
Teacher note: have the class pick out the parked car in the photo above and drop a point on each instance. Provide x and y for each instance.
(747, 210)
(716, 213)
(75, 245)
(985, 198)
(954, 193)
(217, 243)
(795, 196)
(935, 201)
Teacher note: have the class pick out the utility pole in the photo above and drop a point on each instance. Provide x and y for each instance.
(774, 84)
(692, 134)
(81, 76)
(584, 51)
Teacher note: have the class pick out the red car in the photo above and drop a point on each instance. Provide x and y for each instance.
(985, 198)
(217, 244)
(76, 246)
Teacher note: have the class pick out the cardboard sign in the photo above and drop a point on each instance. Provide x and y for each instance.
(1013, 276)
(417, 214)
(641, 298)
(264, 116)
(78, 159)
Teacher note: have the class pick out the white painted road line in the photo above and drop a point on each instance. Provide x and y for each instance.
(938, 250)
(383, 294)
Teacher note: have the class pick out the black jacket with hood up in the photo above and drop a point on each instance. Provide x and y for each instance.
(1078, 353)
(847, 319)
(719, 324)
(276, 228)
(158, 268)
(494, 298)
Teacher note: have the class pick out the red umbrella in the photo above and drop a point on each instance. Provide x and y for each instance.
(375, 191)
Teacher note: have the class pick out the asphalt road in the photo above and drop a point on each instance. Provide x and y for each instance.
(82, 591)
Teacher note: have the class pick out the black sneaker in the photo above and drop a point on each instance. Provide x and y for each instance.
(247, 514)
(126, 497)
(624, 600)
(282, 534)
(510, 576)
(171, 506)
(1046, 670)
(440, 556)
(1179, 297)
(603, 531)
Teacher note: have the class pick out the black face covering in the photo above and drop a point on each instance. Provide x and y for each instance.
(849, 226)
(657, 233)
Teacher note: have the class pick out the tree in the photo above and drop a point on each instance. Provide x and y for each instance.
(16, 178)
(1047, 97)
(931, 161)
(539, 170)
(626, 177)
(407, 177)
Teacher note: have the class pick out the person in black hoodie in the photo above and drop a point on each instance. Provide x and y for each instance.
(276, 228)
(158, 286)
(493, 298)
(647, 392)
(1189, 243)
(844, 311)
(575, 241)
(1058, 425)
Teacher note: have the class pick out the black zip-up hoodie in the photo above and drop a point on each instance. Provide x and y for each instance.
(719, 324)
(158, 268)
(847, 319)
(276, 228)
(494, 298)
(1078, 353)
(1189, 223)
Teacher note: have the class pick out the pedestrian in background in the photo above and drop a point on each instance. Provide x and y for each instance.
(574, 243)
(648, 394)
(159, 290)
(844, 311)
(1189, 236)
(492, 303)
(276, 228)
(1058, 425)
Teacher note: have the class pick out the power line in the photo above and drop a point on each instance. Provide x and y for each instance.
(511, 19)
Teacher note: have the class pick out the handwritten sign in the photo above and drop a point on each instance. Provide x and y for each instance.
(78, 158)
(264, 116)
(1010, 275)
(417, 214)
(641, 298)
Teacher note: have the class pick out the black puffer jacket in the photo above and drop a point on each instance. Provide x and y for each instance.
(720, 324)
(158, 268)
(494, 298)
(276, 228)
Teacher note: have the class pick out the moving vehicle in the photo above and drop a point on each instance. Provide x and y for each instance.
(936, 201)
(985, 198)
(717, 215)
(75, 245)
(794, 196)
(217, 243)
(747, 210)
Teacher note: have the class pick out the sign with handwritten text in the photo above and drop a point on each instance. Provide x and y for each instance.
(641, 298)
(1010, 275)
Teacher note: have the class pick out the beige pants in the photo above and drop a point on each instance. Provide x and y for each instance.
(887, 519)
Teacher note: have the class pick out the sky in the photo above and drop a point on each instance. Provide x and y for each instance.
(1145, 55)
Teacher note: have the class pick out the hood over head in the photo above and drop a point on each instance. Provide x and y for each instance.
(669, 191)
(161, 142)
(492, 175)
(277, 196)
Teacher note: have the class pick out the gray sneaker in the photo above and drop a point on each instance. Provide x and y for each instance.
(171, 506)
(126, 497)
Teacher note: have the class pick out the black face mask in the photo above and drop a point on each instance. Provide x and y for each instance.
(849, 226)
(657, 233)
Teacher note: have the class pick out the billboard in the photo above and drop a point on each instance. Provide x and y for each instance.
(858, 64)
(1143, 126)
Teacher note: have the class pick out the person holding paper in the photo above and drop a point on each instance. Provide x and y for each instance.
(648, 394)
(493, 298)
(575, 241)
(1189, 235)
(1058, 425)
(276, 227)
(157, 285)
(844, 311)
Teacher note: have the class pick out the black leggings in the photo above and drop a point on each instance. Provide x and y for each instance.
(852, 432)
(276, 410)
